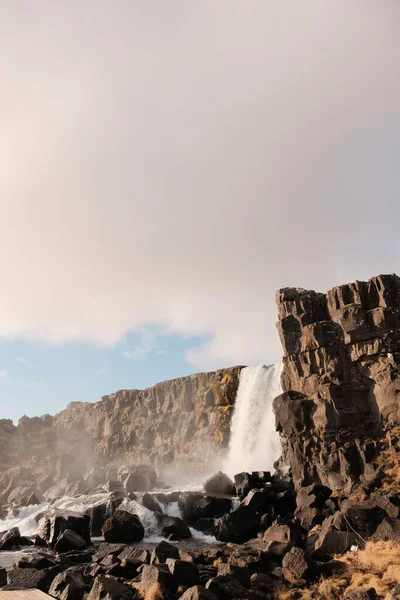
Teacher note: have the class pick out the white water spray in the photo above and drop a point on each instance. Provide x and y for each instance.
(254, 442)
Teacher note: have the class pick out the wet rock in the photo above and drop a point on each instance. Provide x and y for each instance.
(55, 522)
(186, 573)
(198, 592)
(162, 552)
(140, 479)
(99, 514)
(220, 483)
(227, 588)
(10, 539)
(69, 486)
(195, 506)
(280, 538)
(173, 528)
(68, 586)
(123, 527)
(69, 540)
(151, 503)
(159, 574)
(237, 526)
(245, 482)
(108, 588)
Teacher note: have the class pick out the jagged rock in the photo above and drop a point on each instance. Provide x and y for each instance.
(140, 479)
(106, 549)
(220, 483)
(173, 528)
(55, 522)
(162, 552)
(310, 500)
(160, 574)
(68, 586)
(186, 573)
(69, 540)
(245, 482)
(37, 561)
(227, 588)
(98, 515)
(9, 539)
(151, 503)
(340, 379)
(198, 592)
(237, 526)
(26, 578)
(364, 594)
(364, 517)
(123, 527)
(335, 537)
(107, 588)
(295, 567)
(241, 573)
(280, 538)
(3, 577)
(388, 530)
(195, 506)
(69, 486)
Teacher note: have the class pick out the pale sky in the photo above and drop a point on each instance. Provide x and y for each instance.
(165, 166)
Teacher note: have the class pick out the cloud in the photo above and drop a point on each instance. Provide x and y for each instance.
(175, 163)
(3, 374)
(148, 343)
(24, 361)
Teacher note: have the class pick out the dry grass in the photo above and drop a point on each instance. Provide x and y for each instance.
(376, 566)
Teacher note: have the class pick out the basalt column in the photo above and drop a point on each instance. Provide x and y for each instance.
(340, 380)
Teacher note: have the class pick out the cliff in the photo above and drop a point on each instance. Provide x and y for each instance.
(340, 379)
(184, 421)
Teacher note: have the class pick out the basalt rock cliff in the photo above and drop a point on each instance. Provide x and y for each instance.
(341, 379)
(184, 422)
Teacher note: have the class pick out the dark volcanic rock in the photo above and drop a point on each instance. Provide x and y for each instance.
(185, 572)
(173, 528)
(160, 574)
(68, 586)
(69, 540)
(227, 588)
(237, 526)
(151, 503)
(55, 522)
(123, 527)
(10, 539)
(162, 552)
(195, 506)
(280, 538)
(220, 483)
(198, 592)
(340, 379)
(108, 588)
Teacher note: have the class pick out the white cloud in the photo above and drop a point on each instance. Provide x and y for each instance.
(148, 343)
(24, 361)
(175, 163)
(3, 374)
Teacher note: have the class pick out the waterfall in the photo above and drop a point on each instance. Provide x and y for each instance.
(254, 443)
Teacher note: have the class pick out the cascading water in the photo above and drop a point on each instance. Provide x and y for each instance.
(254, 442)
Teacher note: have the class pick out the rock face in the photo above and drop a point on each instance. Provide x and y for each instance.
(185, 421)
(340, 379)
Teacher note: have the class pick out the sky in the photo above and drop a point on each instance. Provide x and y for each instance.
(165, 167)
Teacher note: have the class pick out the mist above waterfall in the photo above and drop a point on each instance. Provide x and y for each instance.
(254, 443)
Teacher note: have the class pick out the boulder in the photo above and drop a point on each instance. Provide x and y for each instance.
(186, 573)
(309, 502)
(11, 538)
(198, 592)
(68, 586)
(26, 578)
(388, 530)
(108, 588)
(244, 482)
(281, 537)
(123, 527)
(220, 483)
(237, 526)
(160, 574)
(364, 517)
(227, 588)
(195, 506)
(151, 503)
(295, 567)
(162, 552)
(69, 540)
(173, 528)
(239, 572)
(140, 479)
(56, 521)
(3, 577)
